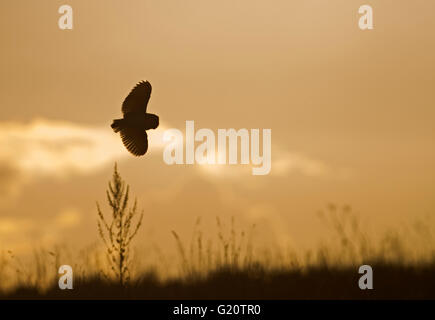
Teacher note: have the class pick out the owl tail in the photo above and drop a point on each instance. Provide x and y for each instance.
(117, 125)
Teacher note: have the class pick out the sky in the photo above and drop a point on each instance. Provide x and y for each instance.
(351, 114)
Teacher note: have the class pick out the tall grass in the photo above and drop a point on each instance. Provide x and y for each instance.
(118, 231)
(231, 249)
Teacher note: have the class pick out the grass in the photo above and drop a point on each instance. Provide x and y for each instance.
(228, 265)
(391, 282)
(231, 268)
(118, 231)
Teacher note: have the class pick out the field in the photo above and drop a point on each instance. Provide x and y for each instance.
(229, 265)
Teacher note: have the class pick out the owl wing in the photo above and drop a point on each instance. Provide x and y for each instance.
(136, 141)
(137, 99)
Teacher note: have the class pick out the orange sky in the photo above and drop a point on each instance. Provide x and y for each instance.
(351, 112)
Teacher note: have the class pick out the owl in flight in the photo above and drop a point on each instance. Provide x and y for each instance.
(136, 120)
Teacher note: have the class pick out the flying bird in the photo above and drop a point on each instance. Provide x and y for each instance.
(136, 119)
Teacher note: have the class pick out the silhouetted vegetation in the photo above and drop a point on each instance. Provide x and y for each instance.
(391, 282)
(118, 232)
(228, 266)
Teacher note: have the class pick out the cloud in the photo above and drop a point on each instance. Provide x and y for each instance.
(289, 162)
(53, 147)
(58, 147)
(283, 162)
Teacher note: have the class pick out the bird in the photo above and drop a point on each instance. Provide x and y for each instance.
(136, 120)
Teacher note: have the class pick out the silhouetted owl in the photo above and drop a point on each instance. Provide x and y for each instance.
(136, 119)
